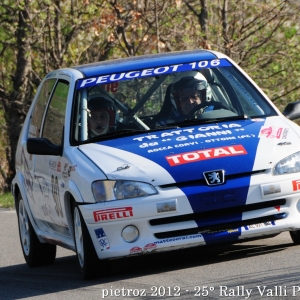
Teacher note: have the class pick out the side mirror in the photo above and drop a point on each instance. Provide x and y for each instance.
(42, 146)
(292, 110)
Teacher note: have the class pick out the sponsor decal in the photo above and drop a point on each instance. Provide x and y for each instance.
(166, 206)
(71, 169)
(136, 250)
(232, 230)
(178, 140)
(259, 225)
(102, 239)
(58, 166)
(111, 87)
(65, 173)
(43, 186)
(200, 132)
(113, 214)
(105, 79)
(55, 194)
(296, 185)
(272, 132)
(180, 238)
(285, 133)
(52, 164)
(284, 144)
(68, 169)
(239, 87)
(211, 153)
(271, 189)
(214, 232)
(150, 247)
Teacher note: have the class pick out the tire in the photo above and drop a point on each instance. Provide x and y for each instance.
(35, 253)
(295, 235)
(89, 264)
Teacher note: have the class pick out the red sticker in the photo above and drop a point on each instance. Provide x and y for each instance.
(113, 214)
(296, 185)
(136, 250)
(150, 247)
(194, 156)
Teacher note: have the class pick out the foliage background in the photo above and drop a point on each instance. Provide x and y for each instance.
(262, 36)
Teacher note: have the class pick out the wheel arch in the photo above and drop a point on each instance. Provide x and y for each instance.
(69, 201)
(71, 196)
(15, 192)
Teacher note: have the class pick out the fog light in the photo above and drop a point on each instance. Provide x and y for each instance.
(130, 234)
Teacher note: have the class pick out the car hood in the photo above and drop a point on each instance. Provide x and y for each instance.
(183, 154)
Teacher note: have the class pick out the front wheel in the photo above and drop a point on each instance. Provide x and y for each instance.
(295, 235)
(35, 252)
(89, 263)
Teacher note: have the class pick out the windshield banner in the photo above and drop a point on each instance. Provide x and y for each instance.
(104, 79)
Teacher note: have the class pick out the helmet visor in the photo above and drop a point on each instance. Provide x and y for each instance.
(190, 96)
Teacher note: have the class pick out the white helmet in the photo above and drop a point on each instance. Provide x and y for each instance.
(190, 81)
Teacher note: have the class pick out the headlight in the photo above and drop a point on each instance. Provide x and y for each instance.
(288, 165)
(121, 189)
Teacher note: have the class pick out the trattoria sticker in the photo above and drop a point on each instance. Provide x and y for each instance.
(204, 154)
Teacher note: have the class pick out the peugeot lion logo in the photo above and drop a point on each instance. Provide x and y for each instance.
(214, 177)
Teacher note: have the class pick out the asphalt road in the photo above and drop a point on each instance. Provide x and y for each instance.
(264, 269)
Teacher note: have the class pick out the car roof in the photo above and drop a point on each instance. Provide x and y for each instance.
(144, 62)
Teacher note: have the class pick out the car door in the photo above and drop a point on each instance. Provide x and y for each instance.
(48, 168)
(36, 200)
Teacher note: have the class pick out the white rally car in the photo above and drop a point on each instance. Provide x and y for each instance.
(153, 153)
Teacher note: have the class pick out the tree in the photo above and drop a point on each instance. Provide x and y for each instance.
(261, 36)
(39, 36)
(36, 38)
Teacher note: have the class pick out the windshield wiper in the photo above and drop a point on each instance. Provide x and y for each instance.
(126, 132)
(110, 135)
(212, 120)
(221, 119)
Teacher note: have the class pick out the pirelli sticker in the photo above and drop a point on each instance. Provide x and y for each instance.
(113, 214)
(204, 154)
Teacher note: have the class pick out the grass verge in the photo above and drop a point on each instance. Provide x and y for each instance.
(6, 200)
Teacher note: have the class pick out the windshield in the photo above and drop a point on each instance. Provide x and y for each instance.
(151, 99)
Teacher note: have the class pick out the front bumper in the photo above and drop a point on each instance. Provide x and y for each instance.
(167, 221)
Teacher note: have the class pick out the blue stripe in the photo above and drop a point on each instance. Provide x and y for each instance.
(156, 146)
(222, 236)
(202, 197)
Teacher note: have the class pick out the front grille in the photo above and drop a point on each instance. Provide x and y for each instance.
(219, 227)
(198, 182)
(217, 212)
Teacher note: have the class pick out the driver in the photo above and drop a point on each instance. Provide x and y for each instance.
(102, 116)
(189, 90)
